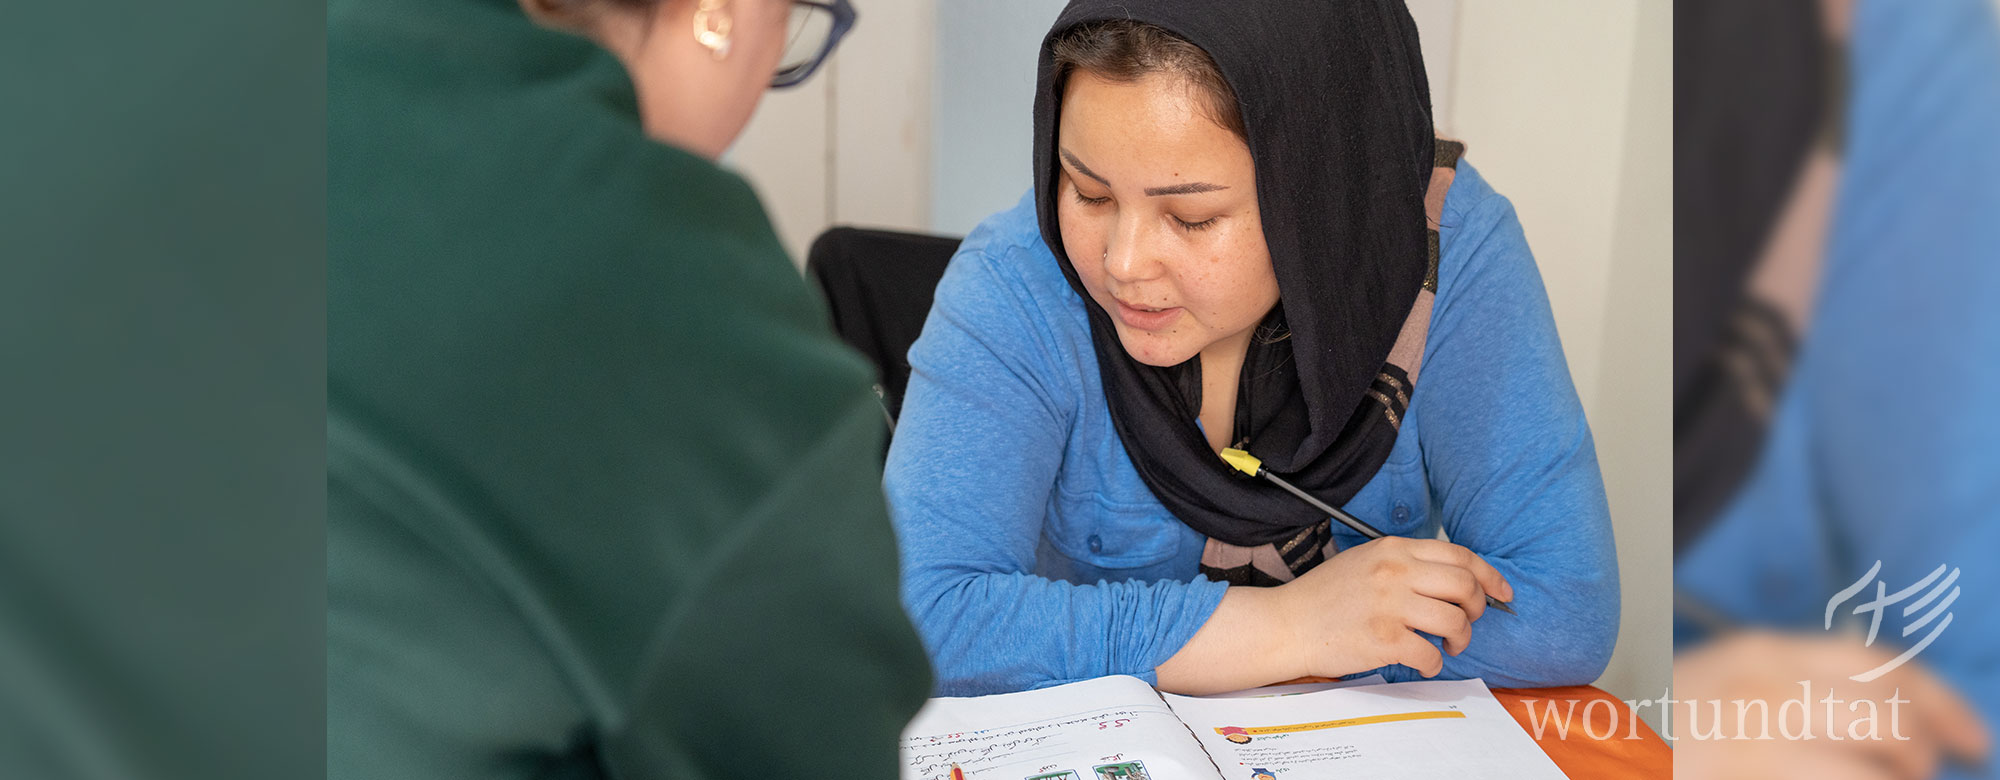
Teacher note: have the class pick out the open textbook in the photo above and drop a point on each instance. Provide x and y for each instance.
(1119, 728)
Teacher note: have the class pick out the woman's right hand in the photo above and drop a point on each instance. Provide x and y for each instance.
(1928, 724)
(1362, 608)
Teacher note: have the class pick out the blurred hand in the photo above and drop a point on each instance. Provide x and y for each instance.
(1767, 666)
(1362, 609)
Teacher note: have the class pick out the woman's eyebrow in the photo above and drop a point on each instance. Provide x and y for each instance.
(1185, 189)
(1189, 188)
(1083, 169)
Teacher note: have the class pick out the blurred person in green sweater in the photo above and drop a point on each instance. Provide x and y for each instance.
(603, 489)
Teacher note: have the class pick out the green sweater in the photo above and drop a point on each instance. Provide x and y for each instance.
(603, 491)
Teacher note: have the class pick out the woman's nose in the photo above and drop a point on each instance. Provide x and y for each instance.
(1128, 255)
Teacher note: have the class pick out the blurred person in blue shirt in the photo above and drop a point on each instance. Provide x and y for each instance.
(1836, 426)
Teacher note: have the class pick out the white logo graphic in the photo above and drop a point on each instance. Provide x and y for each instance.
(1884, 600)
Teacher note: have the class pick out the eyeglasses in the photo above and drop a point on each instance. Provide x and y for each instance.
(814, 29)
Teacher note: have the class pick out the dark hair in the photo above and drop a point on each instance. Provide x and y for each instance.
(1123, 50)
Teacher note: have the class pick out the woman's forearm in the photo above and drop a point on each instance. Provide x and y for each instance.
(1244, 644)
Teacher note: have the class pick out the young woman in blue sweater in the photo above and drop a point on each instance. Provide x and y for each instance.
(1244, 233)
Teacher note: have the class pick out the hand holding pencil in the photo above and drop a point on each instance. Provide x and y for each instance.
(1372, 605)
(1249, 464)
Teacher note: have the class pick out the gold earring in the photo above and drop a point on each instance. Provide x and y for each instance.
(711, 27)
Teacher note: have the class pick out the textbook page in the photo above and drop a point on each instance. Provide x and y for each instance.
(1425, 730)
(1110, 728)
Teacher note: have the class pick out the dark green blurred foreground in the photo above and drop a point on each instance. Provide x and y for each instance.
(162, 348)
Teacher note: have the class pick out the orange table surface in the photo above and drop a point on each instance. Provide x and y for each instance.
(1602, 742)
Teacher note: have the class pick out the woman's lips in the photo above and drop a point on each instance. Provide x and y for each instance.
(1144, 319)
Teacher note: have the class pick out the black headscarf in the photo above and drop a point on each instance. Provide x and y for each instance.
(1754, 84)
(1337, 111)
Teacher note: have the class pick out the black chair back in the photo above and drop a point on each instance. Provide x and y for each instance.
(879, 283)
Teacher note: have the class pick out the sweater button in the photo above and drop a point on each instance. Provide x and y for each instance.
(1402, 513)
(1096, 544)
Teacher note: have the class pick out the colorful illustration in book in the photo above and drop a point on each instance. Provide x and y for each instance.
(1129, 770)
(1263, 774)
(1236, 734)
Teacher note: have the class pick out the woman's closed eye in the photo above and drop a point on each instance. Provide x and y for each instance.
(1194, 226)
(1089, 201)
